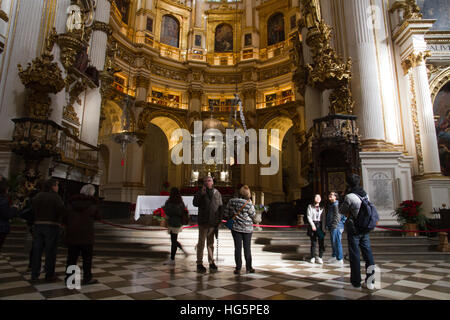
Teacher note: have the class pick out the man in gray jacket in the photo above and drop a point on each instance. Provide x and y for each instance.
(356, 241)
(209, 203)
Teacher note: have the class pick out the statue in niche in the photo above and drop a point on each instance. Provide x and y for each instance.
(75, 19)
(312, 9)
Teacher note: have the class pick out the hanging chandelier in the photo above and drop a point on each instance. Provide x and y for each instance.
(126, 135)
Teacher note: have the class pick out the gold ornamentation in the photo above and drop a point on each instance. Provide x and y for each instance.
(341, 100)
(41, 78)
(414, 115)
(328, 70)
(410, 9)
(414, 59)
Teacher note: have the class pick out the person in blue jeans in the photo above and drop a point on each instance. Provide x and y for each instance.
(335, 224)
(357, 241)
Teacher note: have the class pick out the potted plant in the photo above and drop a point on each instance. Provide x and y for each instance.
(160, 216)
(165, 189)
(409, 215)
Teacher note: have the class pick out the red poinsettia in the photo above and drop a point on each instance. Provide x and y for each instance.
(409, 212)
(159, 214)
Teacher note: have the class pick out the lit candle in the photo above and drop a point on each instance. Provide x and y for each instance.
(262, 198)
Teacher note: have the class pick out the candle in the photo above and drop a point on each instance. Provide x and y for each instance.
(262, 198)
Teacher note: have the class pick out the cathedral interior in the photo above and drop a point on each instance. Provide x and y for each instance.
(95, 92)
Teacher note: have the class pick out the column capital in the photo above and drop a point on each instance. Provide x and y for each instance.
(142, 81)
(414, 59)
(102, 26)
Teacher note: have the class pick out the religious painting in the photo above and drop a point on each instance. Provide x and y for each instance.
(336, 181)
(198, 40)
(275, 29)
(170, 31)
(123, 6)
(149, 26)
(441, 109)
(248, 39)
(270, 99)
(293, 22)
(436, 9)
(223, 41)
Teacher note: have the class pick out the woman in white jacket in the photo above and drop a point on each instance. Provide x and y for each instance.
(316, 228)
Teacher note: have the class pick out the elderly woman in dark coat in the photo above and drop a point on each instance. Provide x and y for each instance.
(79, 222)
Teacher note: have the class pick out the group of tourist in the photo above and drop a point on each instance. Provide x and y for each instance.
(45, 212)
(335, 219)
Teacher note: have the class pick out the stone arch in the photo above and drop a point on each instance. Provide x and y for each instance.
(439, 82)
(147, 115)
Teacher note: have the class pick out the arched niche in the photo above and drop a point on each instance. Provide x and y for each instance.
(170, 31)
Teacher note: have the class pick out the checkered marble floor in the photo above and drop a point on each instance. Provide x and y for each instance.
(146, 279)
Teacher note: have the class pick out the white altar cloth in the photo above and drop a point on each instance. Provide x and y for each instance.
(148, 204)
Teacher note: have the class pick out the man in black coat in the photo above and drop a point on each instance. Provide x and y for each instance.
(210, 206)
(48, 208)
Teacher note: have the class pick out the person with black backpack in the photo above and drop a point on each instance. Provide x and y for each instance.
(361, 219)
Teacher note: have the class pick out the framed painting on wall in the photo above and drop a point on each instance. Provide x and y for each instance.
(248, 39)
(198, 40)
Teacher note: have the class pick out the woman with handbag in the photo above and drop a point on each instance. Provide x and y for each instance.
(241, 212)
(316, 228)
(177, 215)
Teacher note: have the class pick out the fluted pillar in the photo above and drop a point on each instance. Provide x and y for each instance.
(365, 84)
(431, 164)
(100, 34)
(312, 95)
(198, 13)
(92, 105)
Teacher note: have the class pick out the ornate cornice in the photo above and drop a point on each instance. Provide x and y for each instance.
(409, 7)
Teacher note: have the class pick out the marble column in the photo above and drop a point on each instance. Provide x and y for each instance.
(431, 164)
(312, 95)
(365, 84)
(93, 99)
(198, 13)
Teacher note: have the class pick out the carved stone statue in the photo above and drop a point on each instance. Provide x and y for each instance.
(74, 19)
